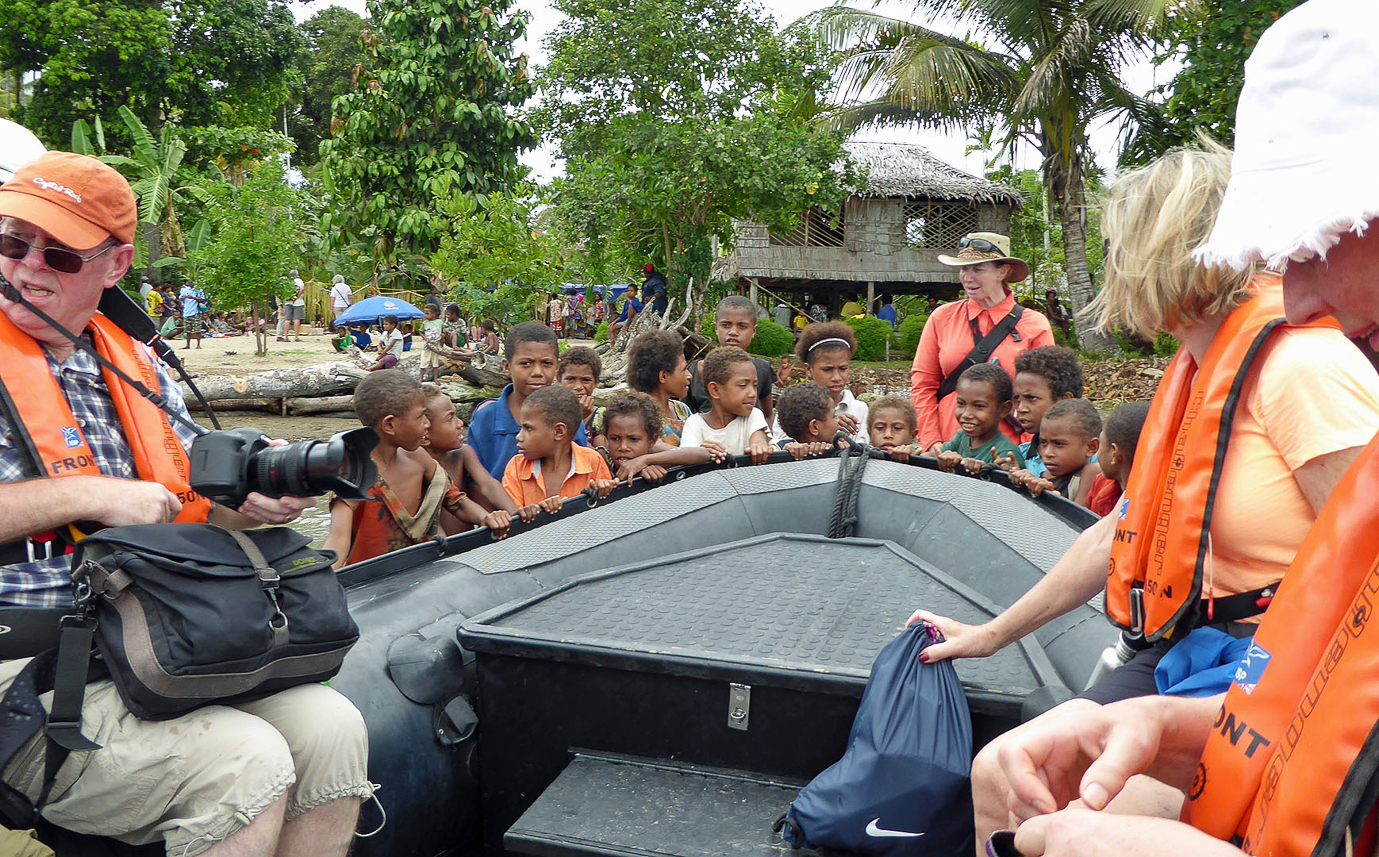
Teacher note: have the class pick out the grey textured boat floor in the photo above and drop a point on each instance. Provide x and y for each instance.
(604, 806)
(790, 602)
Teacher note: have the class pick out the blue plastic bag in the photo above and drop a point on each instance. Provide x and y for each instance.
(902, 787)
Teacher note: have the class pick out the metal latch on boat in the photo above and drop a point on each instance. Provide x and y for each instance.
(739, 705)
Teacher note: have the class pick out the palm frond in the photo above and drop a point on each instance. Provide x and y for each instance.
(1145, 18)
(144, 146)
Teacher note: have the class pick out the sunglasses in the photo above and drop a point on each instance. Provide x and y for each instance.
(58, 258)
(981, 245)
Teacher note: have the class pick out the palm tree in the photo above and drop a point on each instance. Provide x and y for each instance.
(1052, 70)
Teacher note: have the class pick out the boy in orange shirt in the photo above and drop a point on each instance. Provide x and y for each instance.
(549, 466)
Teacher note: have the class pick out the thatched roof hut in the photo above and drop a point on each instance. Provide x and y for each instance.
(885, 238)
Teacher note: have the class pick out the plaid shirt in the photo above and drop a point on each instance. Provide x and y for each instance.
(48, 583)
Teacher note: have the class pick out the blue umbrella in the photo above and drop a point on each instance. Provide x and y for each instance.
(370, 310)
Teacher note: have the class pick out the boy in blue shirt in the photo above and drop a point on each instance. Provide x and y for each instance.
(531, 356)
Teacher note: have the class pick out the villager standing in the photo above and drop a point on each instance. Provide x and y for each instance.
(340, 297)
(296, 307)
(987, 324)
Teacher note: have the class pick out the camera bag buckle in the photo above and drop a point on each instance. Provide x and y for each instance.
(269, 579)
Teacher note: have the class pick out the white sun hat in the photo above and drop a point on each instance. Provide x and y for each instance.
(18, 146)
(1306, 166)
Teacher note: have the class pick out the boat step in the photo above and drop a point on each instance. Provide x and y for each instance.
(624, 806)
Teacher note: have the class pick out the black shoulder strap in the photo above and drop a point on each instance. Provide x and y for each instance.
(981, 350)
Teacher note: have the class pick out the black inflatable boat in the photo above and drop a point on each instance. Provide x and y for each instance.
(660, 676)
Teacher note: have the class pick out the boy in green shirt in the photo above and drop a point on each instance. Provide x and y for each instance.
(983, 395)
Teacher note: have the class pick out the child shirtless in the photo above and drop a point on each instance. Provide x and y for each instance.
(411, 491)
(445, 443)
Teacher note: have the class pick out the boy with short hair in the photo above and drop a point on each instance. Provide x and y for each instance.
(1043, 376)
(891, 426)
(632, 435)
(809, 419)
(1069, 437)
(1116, 454)
(579, 371)
(550, 466)
(735, 325)
(733, 424)
(445, 443)
(405, 503)
(982, 400)
(530, 356)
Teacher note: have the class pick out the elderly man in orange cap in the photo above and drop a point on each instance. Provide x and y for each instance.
(284, 775)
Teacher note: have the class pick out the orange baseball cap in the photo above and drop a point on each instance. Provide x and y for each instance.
(75, 198)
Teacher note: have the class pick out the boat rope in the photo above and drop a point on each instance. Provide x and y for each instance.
(852, 462)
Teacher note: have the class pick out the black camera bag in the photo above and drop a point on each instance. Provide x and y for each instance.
(187, 615)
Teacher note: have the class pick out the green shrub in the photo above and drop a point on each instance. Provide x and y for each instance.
(906, 336)
(706, 327)
(1165, 345)
(872, 334)
(601, 332)
(771, 340)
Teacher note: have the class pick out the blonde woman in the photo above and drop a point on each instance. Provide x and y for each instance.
(1252, 426)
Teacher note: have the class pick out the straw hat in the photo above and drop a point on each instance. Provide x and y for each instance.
(1304, 171)
(978, 247)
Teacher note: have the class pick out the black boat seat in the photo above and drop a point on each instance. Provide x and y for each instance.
(624, 806)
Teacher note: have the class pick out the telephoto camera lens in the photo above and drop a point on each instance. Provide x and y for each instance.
(306, 469)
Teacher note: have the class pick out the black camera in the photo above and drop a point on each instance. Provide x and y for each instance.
(228, 465)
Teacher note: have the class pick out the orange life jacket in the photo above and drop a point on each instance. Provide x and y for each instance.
(1160, 550)
(1290, 763)
(48, 432)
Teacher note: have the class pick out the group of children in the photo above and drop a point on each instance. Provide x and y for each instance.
(543, 440)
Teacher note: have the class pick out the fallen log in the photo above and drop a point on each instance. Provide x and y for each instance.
(259, 403)
(301, 405)
(465, 393)
(323, 380)
(485, 376)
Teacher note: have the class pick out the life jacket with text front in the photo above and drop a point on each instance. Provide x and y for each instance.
(1158, 557)
(47, 431)
(1290, 764)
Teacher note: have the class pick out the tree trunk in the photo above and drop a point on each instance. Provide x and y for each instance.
(1070, 193)
(326, 380)
(299, 406)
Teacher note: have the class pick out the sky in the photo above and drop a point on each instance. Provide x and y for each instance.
(949, 147)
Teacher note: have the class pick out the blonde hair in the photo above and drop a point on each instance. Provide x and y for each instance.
(1155, 219)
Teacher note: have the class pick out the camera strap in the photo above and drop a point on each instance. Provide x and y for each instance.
(13, 294)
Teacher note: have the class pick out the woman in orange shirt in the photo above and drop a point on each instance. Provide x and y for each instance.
(986, 269)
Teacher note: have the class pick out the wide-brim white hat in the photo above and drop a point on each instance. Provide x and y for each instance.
(1306, 169)
(969, 255)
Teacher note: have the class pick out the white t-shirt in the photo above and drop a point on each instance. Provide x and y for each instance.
(735, 437)
(340, 295)
(301, 289)
(850, 405)
(392, 343)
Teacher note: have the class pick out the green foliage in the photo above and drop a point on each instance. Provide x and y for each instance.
(204, 62)
(1212, 47)
(676, 117)
(1053, 71)
(1165, 345)
(255, 241)
(872, 334)
(430, 119)
(324, 71)
(601, 332)
(907, 335)
(504, 265)
(771, 340)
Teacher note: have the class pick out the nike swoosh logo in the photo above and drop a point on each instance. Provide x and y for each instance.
(873, 829)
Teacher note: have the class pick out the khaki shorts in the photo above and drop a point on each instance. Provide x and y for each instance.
(201, 777)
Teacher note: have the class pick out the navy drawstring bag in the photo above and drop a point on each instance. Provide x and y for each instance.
(903, 786)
